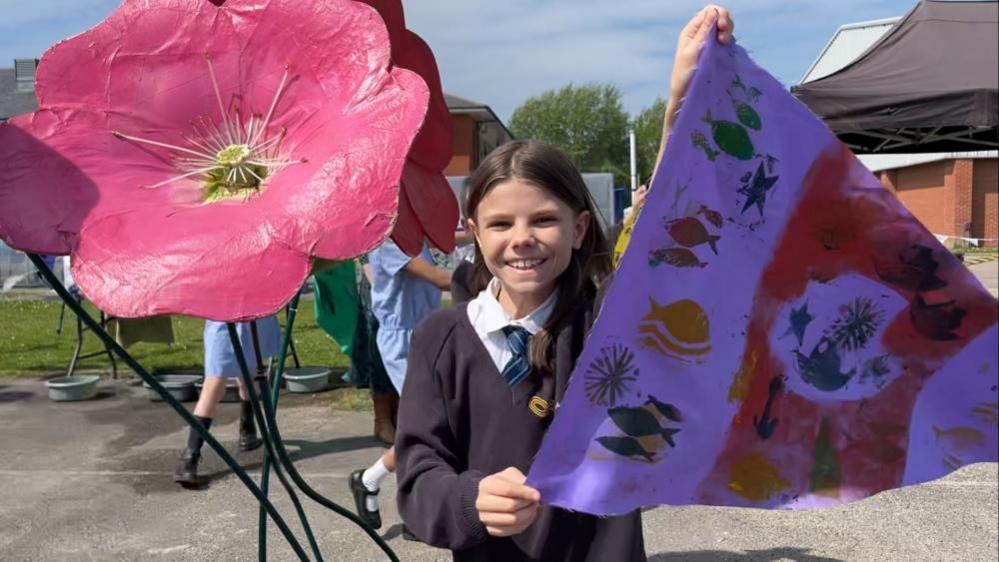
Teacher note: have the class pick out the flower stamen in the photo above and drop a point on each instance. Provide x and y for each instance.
(123, 136)
(234, 157)
(274, 102)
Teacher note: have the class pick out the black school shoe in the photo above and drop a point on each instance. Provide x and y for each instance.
(187, 469)
(249, 441)
(361, 495)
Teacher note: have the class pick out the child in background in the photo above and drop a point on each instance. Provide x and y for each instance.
(367, 364)
(404, 291)
(220, 365)
(484, 378)
(464, 253)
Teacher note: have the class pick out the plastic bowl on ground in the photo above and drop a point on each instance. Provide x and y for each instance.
(307, 379)
(181, 387)
(231, 388)
(71, 389)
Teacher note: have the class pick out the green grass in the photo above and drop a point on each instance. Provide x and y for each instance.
(976, 251)
(30, 347)
(354, 399)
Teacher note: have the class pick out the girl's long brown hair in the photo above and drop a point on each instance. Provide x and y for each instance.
(548, 168)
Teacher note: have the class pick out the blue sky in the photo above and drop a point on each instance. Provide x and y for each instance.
(503, 52)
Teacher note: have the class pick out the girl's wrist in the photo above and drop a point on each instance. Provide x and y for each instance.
(672, 112)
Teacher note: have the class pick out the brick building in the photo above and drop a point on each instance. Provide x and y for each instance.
(955, 195)
(477, 132)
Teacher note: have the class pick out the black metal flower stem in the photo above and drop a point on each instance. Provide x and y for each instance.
(78, 309)
(249, 384)
(270, 406)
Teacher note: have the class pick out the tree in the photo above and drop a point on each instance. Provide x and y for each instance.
(588, 122)
(648, 127)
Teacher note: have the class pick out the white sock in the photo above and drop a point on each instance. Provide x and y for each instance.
(372, 480)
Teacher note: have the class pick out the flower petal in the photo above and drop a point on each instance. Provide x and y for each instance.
(364, 176)
(408, 234)
(433, 201)
(434, 145)
(321, 71)
(55, 172)
(138, 264)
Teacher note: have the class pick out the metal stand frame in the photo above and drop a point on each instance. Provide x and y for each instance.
(265, 419)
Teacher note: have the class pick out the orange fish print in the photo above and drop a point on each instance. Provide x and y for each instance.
(680, 330)
(690, 232)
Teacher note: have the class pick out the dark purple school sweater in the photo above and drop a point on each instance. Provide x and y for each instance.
(460, 422)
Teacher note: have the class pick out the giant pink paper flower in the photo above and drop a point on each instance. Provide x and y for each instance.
(427, 206)
(195, 158)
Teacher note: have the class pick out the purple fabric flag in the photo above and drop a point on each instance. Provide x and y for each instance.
(781, 332)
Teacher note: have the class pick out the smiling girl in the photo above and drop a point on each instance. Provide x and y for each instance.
(484, 378)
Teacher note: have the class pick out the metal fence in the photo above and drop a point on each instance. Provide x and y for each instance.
(16, 270)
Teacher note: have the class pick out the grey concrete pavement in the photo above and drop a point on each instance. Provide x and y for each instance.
(988, 274)
(92, 481)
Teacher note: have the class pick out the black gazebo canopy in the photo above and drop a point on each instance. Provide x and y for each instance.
(931, 84)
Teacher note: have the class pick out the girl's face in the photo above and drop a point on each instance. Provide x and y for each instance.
(526, 235)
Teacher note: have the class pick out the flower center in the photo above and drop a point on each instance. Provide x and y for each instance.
(231, 159)
(233, 155)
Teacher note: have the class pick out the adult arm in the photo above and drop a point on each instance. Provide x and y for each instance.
(432, 274)
(689, 45)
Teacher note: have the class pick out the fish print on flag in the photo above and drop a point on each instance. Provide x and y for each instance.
(780, 333)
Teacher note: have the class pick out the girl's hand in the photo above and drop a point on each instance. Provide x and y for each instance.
(692, 40)
(506, 506)
(688, 47)
(638, 197)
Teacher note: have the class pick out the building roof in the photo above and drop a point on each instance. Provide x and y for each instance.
(927, 84)
(881, 162)
(848, 43)
(479, 111)
(13, 102)
(458, 102)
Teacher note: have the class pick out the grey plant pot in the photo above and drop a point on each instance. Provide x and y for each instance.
(181, 387)
(231, 389)
(307, 379)
(70, 389)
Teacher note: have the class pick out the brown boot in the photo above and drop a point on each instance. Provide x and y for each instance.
(395, 409)
(384, 427)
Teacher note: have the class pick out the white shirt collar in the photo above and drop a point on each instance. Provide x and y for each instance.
(490, 317)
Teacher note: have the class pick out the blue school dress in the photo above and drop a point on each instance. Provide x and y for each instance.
(220, 359)
(400, 302)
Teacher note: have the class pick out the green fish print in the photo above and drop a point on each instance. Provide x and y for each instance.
(700, 141)
(747, 115)
(626, 447)
(639, 422)
(731, 138)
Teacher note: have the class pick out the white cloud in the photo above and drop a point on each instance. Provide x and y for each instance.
(501, 53)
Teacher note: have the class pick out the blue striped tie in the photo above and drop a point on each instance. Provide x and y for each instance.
(519, 365)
